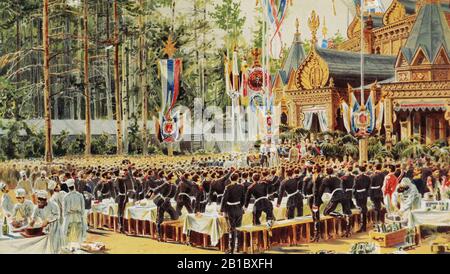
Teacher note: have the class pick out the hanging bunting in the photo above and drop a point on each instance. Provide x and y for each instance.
(276, 11)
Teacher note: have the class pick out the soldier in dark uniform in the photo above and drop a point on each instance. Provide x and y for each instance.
(232, 203)
(201, 199)
(348, 180)
(259, 189)
(186, 193)
(311, 185)
(274, 184)
(217, 187)
(334, 185)
(105, 188)
(375, 192)
(120, 188)
(292, 185)
(360, 192)
(162, 195)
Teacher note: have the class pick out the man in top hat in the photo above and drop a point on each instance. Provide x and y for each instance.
(75, 226)
(231, 205)
(6, 203)
(23, 210)
(47, 213)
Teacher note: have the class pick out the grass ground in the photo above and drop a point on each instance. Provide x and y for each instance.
(122, 244)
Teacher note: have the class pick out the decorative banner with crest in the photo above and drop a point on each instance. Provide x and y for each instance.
(170, 70)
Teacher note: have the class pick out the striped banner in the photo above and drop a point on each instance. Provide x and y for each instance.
(170, 83)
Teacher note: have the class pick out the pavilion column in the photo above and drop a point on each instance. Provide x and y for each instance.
(429, 137)
(330, 117)
(299, 116)
(442, 128)
(405, 131)
(416, 124)
(388, 124)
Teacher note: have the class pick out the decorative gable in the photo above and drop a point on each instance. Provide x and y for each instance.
(395, 13)
(442, 57)
(420, 58)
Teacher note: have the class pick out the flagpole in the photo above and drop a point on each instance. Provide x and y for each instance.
(362, 51)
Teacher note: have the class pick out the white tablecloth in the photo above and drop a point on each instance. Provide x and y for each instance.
(214, 225)
(422, 217)
(16, 245)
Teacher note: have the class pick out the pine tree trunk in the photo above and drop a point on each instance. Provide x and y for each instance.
(125, 65)
(143, 82)
(117, 81)
(87, 95)
(109, 111)
(47, 107)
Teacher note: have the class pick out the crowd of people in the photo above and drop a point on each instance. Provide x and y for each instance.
(60, 195)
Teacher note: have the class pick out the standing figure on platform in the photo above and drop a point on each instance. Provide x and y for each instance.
(231, 206)
(292, 185)
(161, 197)
(375, 192)
(361, 192)
(260, 191)
(311, 188)
(334, 185)
(294, 154)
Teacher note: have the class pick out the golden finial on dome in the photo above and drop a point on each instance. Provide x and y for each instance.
(313, 24)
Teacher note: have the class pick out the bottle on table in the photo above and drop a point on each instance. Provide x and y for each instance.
(5, 227)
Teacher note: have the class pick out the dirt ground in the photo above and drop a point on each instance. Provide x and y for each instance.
(122, 244)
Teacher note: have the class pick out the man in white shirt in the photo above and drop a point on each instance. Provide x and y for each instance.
(75, 226)
(23, 210)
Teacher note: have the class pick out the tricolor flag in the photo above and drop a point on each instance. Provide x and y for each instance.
(168, 124)
(170, 83)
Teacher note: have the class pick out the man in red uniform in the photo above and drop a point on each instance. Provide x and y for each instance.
(389, 186)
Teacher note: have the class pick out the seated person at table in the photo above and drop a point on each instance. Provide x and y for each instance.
(23, 210)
